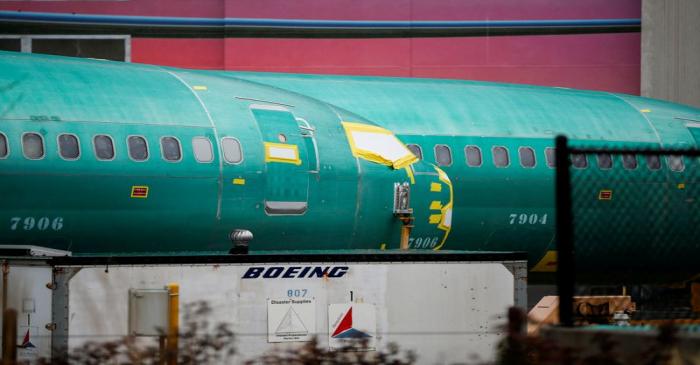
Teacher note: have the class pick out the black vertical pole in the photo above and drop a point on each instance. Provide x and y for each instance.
(564, 235)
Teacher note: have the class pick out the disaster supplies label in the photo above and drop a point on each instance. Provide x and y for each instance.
(291, 320)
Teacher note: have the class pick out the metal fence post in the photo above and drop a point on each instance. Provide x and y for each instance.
(60, 313)
(173, 323)
(9, 337)
(564, 234)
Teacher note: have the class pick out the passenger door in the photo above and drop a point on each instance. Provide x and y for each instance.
(286, 159)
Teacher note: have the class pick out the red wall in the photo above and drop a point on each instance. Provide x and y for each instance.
(591, 61)
(604, 62)
(187, 53)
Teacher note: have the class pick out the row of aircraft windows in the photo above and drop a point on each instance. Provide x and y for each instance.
(103, 145)
(526, 155)
(33, 148)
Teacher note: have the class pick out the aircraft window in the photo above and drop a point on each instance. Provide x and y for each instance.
(202, 149)
(33, 146)
(605, 161)
(629, 161)
(232, 150)
(473, 156)
(550, 156)
(500, 156)
(443, 155)
(104, 147)
(415, 149)
(3, 146)
(68, 146)
(170, 148)
(527, 156)
(653, 162)
(579, 160)
(675, 163)
(138, 148)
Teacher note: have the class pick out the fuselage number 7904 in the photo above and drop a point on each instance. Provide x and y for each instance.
(528, 218)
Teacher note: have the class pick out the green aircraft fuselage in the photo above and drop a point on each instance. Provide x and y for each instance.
(173, 161)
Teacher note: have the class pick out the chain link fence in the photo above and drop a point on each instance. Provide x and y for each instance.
(628, 228)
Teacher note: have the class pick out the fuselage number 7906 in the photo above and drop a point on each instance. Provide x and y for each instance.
(40, 224)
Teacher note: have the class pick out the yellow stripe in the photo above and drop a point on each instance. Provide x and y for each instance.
(404, 161)
(445, 179)
(436, 205)
(645, 110)
(238, 181)
(435, 187)
(199, 87)
(409, 172)
(435, 218)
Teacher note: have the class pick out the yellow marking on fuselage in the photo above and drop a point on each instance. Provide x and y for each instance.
(409, 172)
(446, 210)
(605, 194)
(681, 186)
(382, 246)
(238, 181)
(548, 263)
(435, 218)
(371, 154)
(272, 147)
(435, 187)
(436, 205)
(199, 87)
(139, 191)
(645, 110)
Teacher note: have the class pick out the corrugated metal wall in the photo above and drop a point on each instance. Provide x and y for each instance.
(671, 50)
